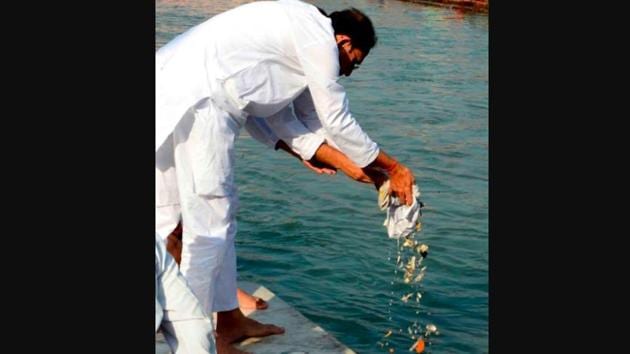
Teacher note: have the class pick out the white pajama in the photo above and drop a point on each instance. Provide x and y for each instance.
(185, 326)
(167, 208)
(207, 199)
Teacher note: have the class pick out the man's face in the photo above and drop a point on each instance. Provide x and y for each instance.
(350, 57)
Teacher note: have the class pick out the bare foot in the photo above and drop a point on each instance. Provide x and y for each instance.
(250, 302)
(225, 347)
(233, 326)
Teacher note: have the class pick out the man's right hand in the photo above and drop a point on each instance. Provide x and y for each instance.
(401, 178)
(401, 182)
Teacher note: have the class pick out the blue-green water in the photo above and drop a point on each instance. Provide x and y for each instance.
(317, 241)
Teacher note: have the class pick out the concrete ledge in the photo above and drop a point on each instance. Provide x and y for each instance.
(301, 337)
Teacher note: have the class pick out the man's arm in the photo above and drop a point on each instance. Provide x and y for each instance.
(306, 113)
(313, 165)
(314, 151)
(327, 160)
(330, 156)
(319, 59)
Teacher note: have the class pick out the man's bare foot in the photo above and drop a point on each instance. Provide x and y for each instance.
(250, 302)
(225, 347)
(233, 326)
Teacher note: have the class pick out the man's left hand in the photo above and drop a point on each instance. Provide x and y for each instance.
(319, 167)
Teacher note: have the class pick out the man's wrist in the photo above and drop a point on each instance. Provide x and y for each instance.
(395, 164)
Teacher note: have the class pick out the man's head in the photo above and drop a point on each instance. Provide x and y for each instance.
(355, 37)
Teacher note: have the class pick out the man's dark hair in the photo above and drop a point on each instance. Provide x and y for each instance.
(357, 26)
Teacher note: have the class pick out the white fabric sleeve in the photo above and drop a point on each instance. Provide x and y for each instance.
(287, 128)
(305, 112)
(260, 131)
(320, 62)
(316, 50)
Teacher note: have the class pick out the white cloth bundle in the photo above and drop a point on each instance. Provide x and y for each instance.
(401, 220)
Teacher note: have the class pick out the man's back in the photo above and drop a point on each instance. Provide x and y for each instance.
(247, 54)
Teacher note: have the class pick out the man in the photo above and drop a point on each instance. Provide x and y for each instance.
(252, 61)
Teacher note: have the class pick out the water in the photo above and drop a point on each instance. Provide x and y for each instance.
(317, 241)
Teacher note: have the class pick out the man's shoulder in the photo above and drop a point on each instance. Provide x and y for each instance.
(303, 8)
(309, 25)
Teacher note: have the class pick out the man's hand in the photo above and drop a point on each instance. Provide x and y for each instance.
(401, 178)
(377, 177)
(319, 168)
(313, 164)
(401, 182)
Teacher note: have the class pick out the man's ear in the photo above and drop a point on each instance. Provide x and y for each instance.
(342, 39)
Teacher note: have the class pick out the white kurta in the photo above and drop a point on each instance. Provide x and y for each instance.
(298, 126)
(255, 60)
(252, 61)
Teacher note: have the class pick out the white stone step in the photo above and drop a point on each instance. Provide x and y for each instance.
(301, 337)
